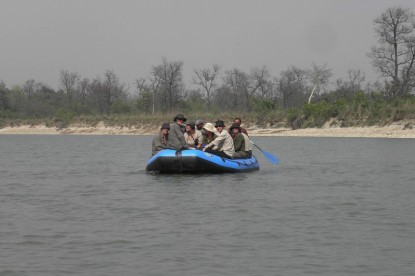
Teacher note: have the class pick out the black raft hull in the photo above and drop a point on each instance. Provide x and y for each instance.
(197, 161)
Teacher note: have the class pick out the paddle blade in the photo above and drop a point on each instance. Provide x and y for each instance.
(271, 158)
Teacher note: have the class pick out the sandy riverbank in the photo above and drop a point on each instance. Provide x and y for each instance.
(396, 130)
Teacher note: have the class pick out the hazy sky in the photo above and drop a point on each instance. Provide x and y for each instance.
(39, 38)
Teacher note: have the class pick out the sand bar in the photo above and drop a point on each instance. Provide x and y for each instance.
(396, 130)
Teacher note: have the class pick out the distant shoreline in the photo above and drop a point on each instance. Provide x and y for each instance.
(395, 130)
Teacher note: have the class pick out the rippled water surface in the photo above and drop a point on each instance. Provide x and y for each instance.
(83, 205)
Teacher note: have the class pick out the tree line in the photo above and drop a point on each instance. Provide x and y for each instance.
(218, 89)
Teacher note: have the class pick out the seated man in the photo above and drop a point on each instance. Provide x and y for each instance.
(241, 144)
(223, 144)
(239, 122)
(176, 138)
(160, 140)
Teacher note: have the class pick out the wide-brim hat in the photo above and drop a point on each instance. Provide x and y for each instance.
(180, 117)
(219, 123)
(235, 125)
(209, 127)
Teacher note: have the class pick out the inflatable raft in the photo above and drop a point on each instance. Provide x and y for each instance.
(197, 161)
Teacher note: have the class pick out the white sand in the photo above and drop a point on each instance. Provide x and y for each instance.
(395, 130)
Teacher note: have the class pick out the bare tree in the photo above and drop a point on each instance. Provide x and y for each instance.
(239, 88)
(39, 99)
(113, 89)
(261, 82)
(356, 79)
(394, 55)
(235, 87)
(16, 99)
(96, 88)
(141, 86)
(3, 97)
(351, 85)
(293, 87)
(146, 93)
(69, 82)
(30, 87)
(319, 77)
(83, 91)
(206, 78)
(258, 81)
(170, 75)
(155, 83)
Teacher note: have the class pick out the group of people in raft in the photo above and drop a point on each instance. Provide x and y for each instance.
(215, 139)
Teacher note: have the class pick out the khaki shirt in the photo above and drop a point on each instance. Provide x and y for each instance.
(248, 145)
(190, 138)
(223, 142)
(206, 140)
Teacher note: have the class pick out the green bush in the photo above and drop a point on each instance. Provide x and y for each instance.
(360, 109)
(63, 118)
(316, 114)
(120, 107)
(293, 114)
(263, 106)
(3, 122)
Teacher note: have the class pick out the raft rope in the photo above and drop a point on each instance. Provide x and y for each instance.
(242, 163)
(179, 154)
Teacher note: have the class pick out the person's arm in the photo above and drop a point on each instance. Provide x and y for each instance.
(199, 138)
(180, 137)
(157, 145)
(218, 141)
(182, 140)
(243, 130)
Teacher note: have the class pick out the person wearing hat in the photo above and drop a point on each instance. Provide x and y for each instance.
(241, 144)
(223, 144)
(192, 136)
(209, 133)
(160, 140)
(176, 139)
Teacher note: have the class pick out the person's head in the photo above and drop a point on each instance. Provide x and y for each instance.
(235, 129)
(165, 128)
(180, 119)
(238, 121)
(219, 125)
(209, 128)
(199, 124)
(190, 127)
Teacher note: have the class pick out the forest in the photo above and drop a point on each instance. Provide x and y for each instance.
(297, 97)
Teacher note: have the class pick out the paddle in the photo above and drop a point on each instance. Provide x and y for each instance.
(271, 158)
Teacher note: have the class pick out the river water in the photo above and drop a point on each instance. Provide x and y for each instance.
(83, 205)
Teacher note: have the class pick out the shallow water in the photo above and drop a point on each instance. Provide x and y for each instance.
(83, 205)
